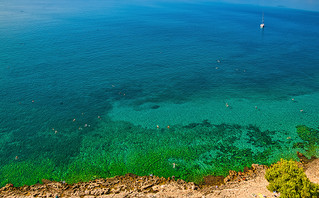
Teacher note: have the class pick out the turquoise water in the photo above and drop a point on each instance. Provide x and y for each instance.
(89, 90)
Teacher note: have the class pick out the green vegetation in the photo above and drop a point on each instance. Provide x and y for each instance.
(27, 172)
(310, 139)
(308, 134)
(290, 180)
(116, 148)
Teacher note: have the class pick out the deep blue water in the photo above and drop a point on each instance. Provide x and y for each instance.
(60, 61)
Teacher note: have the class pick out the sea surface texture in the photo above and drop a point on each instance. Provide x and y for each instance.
(102, 88)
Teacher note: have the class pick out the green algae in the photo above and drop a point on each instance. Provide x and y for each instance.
(115, 148)
(310, 140)
(27, 172)
(308, 134)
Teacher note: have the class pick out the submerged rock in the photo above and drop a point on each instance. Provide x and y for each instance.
(155, 107)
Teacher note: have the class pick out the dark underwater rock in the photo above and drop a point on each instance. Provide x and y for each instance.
(155, 107)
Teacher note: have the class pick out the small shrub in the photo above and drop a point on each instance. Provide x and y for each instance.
(290, 180)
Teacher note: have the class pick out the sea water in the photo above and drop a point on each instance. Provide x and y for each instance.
(98, 89)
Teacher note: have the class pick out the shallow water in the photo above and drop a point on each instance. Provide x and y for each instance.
(89, 91)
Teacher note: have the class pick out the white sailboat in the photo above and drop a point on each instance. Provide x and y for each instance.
(262, 25)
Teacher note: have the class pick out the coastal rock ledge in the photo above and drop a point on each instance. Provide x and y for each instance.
(248, 183)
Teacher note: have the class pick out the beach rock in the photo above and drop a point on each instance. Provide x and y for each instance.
(304, 159)
(214, 180)
(132, 185)
(232, 175)
(256, 168)
(46, 181)
(7, 187)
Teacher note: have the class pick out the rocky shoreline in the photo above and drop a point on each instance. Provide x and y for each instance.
(249, 183)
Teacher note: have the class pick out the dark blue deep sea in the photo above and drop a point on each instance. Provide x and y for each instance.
(81, 84)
